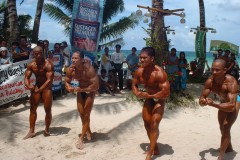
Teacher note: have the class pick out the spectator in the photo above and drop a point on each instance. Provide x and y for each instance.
(172, 68)
(3, 43)
(5, 56)
(117, 60)
(132, 62)
(46, 50)
(235, 69)
(15, 51)
(105, 60)
(113, 81)
(24, 49)
(220, 51)
(103, 83)
(66, 54)
(183, 69)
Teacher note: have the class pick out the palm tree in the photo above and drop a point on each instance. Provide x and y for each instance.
(61, 11)
(159, 37)
(12, 19)
(3, 21)
(37, 19)
(24, 25)
(202, 28)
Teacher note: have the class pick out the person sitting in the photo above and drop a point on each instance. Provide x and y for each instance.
(103, 83)
(113, 81)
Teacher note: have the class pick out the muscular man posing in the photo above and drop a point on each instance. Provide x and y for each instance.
(157, 90)
(82, 72)
(226, 87)
(43, 70)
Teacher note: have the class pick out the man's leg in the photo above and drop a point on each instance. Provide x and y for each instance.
(85, 109)
(157, 114)
(47, 100)
(34, 101)
(225, 126)
(152, 114)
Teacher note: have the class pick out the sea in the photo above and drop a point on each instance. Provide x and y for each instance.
(190, 55)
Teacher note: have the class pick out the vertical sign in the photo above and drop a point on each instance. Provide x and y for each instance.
(199, 44)
(86, 26)
(57, 79)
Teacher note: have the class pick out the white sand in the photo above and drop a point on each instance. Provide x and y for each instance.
(118, 132)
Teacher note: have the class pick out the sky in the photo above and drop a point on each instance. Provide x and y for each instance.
(223, 15)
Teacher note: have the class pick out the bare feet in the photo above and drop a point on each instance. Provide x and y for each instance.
(89, 136)
(229, 149)
(46, 134)
(29, 135)
(148, 157)
(156, 150)
(80, 144)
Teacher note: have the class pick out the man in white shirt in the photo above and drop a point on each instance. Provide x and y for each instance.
(117, 60)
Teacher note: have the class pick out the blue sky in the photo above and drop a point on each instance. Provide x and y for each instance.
(223, 15)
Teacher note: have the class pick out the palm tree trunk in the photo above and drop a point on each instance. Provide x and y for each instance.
(13, 22)
(202, 28)
(159, 37)
(37, 21)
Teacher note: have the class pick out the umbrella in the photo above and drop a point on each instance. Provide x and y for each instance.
(224, 45)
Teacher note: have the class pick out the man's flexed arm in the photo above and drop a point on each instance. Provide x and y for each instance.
(68, 80)
(164, 86)
(135, 82)
(27, 76)
(229, 105)
(205, 92)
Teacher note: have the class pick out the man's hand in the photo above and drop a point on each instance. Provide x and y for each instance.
(36, 89)
(203, 101)
(209, 101)
(31, 88)
(77, 89)
(142, 95)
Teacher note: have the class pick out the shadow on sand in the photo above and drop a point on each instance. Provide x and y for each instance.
(215, 152)
(55, 131)
(164, 149)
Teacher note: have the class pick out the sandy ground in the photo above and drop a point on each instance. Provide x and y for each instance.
(118, 132)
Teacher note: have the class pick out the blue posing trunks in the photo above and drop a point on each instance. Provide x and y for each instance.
(238, 98)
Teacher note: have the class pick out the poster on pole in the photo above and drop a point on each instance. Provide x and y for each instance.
(86, 26)
(199, 44)
(57, 79)
(224, 45)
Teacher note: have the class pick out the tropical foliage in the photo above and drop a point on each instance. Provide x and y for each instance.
(61, 11)
(23, 23)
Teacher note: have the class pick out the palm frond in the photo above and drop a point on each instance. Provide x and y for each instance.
(3, 7)
(111, 9)
(56, 14)
(118, 28)
(66, 4)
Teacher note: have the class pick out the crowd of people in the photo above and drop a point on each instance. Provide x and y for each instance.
(22, 50)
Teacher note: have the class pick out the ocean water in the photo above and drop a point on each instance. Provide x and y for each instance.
(190, 55)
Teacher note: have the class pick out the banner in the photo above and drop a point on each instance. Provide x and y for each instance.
(57, 79)
(199, 44)
(86, 26)
(12, 85)
(224, 45)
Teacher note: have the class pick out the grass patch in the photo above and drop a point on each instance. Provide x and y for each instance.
(183, 99)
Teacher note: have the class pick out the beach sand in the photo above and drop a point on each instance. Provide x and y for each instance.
(118, 132)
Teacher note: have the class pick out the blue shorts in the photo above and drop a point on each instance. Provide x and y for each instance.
(238, 98)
